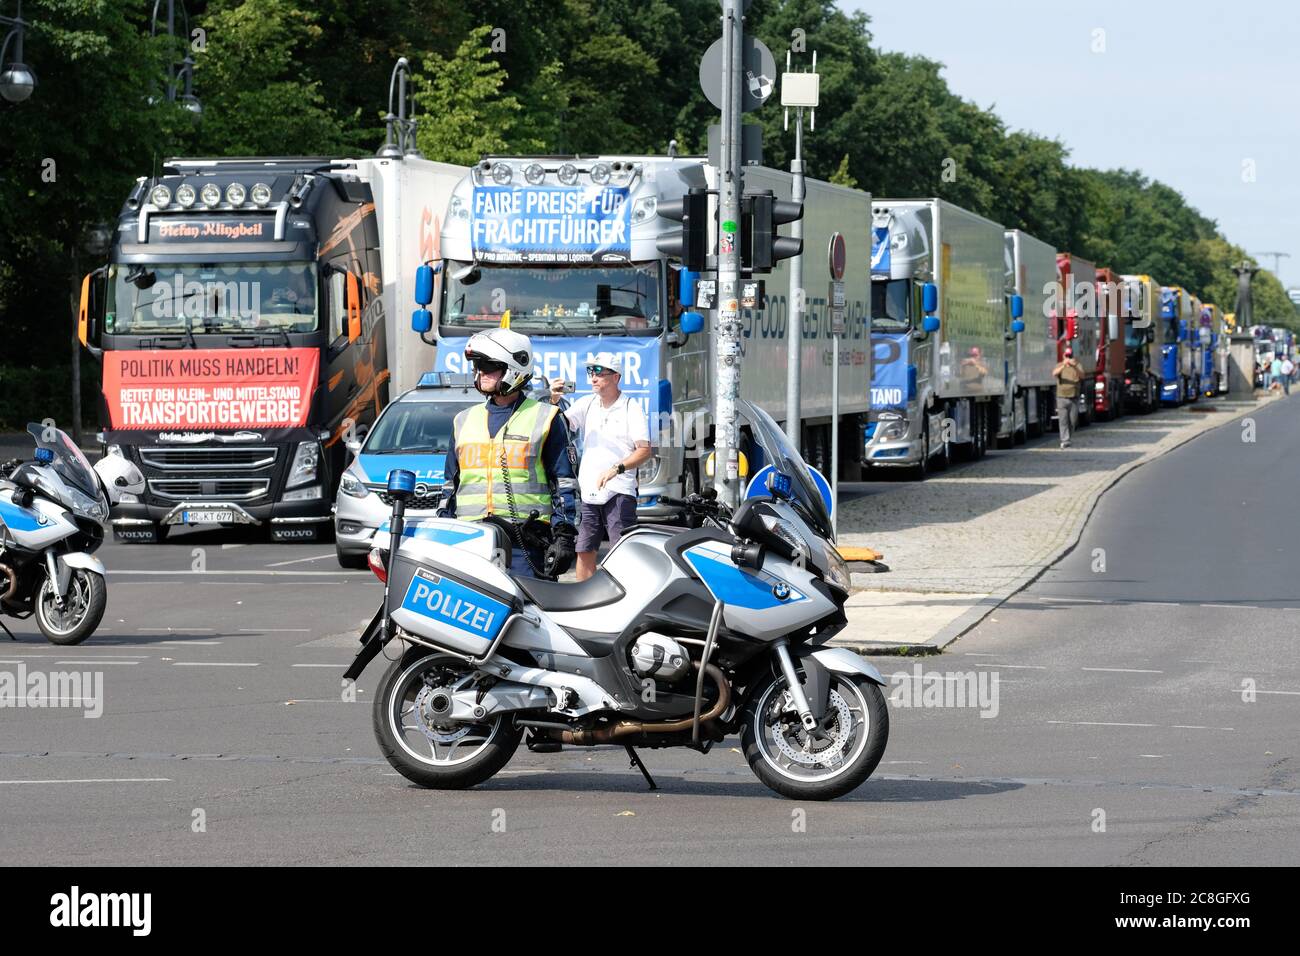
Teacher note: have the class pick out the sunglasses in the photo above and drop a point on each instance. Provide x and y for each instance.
(487, 365)
(599, 370)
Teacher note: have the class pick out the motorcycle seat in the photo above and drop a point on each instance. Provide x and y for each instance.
(598, 590)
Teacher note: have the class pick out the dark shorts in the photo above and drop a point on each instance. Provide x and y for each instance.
(608, 520)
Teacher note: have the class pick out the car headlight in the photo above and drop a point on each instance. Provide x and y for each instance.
(837, 572)
(306, 463)
(648, 470)
(349, 485)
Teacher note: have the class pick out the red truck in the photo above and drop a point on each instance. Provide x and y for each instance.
(1077, 324)
(1108, 398)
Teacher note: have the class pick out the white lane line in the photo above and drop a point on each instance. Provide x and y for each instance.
(1016, 667)
(1159, 603)
(976, 654)
(280, 564)
(101, 662)
(190, 643)
(169, 630)
(113, 657)
(1249, 607)
(1156, 756)
(1193, 660)
(1289, 693)
(1099, 723)
(1196, 727)
(275, 630)
(1120, 670)
(318, 665)
(99, 780)
(210, 664)
(231, 547)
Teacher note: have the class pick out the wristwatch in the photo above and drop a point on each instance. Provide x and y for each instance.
(621, 468)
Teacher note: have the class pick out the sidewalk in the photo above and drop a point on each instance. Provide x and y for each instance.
(959, 546)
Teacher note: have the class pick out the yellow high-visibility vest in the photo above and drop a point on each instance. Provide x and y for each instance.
(515, 451)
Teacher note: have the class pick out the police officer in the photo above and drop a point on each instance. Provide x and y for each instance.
(509, 458)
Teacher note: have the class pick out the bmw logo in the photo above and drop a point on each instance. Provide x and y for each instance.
(42, 520)
(781, 590)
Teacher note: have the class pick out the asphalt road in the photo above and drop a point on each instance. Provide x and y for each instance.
(1119, 701)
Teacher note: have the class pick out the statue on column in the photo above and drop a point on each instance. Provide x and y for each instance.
(1245, 312)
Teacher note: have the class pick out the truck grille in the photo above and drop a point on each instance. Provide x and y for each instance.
(213, 458)
(225, 489)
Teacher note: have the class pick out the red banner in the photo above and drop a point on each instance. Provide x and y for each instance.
(210, 388)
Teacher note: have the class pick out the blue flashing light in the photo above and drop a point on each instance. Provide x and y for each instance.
(45, 455)
(401, 482)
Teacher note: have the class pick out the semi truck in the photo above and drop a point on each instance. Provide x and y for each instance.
(1176, 352)
(566, 250)
(243, 323)
(1108, 388)
(1028, 405)
(1214, 361)
(1143, 342)
(939, 320)
(1078, 325)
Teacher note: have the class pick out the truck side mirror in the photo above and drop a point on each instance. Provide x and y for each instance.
(89, 309)
(686, 292)
(354, 306)
(1017, 308)
(930, 323)
(1017, 326)
(691, 322)
(1112, 327)
(421, 321)
(424, 284)
(929, 298)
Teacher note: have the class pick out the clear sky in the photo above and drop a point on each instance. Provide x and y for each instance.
(1199, 94)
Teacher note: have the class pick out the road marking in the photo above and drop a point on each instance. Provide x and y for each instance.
(1198, 661)
(210, 664)
(1016, 667)
(275, 630)
(280, 564)
(1157, 756)
(976, 654)
(100, 661)
(1159, 603)
(99, 780)
(1289, 693)
(1120, 670)
(1099, 723)
(1248, 607)
(1196, 727)
(190, 643)
(169, 630)
(200, 574)
(318, 665)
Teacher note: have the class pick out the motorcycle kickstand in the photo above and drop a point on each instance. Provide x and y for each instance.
(7, 631)
(636, 762)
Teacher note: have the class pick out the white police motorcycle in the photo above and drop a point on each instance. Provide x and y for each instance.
(53, 512)
(681, 638)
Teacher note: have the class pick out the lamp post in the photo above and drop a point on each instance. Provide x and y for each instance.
(399, 138)
(178, 76)
(16, 80)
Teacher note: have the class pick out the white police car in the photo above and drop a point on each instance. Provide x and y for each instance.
(414, 433)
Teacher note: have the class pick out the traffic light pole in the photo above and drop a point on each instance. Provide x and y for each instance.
(726, 471)
(794, 309)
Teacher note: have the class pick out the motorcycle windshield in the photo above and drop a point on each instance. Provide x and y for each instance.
(69, 463)
(775, 449)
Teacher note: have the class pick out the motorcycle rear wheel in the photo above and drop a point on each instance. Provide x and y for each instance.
(83, 608)
(441, 756)
(806, 769)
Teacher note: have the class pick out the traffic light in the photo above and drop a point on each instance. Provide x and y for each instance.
(761, 246)
(690, 244)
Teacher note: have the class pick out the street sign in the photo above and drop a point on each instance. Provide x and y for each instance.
(837, 255)
(835, 297)
(759, 78)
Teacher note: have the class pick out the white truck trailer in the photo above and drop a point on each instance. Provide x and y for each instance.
(1027, 405)
(568, 247)
(939, 301)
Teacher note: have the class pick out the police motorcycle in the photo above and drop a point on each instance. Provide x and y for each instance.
(53, 512)
(681, 638)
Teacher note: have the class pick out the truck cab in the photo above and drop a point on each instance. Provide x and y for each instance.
(1108, 388)
(1143, 342)
(1175, 351)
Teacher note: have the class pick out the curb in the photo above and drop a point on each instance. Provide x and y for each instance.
(970, 618)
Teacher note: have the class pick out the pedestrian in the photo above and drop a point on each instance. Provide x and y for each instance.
(615, 440)
(1069, 379)
(509, 459)
(1275, 372)
(1288, 369)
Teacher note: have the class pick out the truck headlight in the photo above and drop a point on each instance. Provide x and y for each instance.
(351, 487)
(306, 464)
(647, 471)
(303, 494)
(892, 430)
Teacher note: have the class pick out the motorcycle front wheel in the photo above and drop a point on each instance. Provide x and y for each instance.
(82, 610)
(422, 744)
(806, 767)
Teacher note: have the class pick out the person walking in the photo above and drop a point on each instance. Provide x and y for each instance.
(1288, 369)
(1069, 379)
(508, 462)
(1275, 371)
(615, 440)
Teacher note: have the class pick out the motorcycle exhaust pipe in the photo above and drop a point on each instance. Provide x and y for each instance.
(12, 587)
(636, 728)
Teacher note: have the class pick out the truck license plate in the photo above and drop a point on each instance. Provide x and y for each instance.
(207, 517)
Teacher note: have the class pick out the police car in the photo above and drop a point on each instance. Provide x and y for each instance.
(413, 433)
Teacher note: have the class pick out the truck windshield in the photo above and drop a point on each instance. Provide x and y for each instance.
(1171, 331)
(558, 300)
(177, 297)
(1134, 338)
(891, 306)
(413, 428)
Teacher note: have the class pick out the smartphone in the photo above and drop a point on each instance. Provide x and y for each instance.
(567, 386)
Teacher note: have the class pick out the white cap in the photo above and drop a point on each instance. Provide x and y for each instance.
(610, 360)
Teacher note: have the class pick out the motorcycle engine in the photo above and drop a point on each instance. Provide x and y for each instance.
(655, 655)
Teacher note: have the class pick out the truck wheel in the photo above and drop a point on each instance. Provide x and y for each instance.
(922, 468)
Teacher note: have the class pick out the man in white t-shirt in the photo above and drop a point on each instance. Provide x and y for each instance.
(615, 440)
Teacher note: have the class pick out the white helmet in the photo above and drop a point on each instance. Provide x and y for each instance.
(119, 476)
(507, 347)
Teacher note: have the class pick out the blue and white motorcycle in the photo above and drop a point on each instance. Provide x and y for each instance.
(53, 512)
(681, 638)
